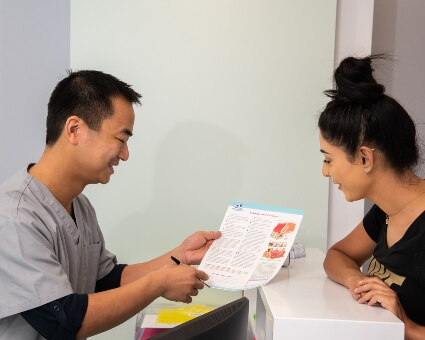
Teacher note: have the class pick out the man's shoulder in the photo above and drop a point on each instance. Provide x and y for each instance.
(21, 195)
(18, 179)
(13, 188)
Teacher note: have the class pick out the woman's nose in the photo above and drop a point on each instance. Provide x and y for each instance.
(325, 170)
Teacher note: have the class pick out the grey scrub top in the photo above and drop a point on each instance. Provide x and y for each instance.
(44, 255)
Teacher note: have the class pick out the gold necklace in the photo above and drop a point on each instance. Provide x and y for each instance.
(387, 219)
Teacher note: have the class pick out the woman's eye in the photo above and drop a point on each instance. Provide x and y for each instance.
(326, 161)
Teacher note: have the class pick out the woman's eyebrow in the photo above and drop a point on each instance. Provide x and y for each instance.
(325, 152)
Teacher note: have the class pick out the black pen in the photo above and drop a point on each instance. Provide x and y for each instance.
(178, 262)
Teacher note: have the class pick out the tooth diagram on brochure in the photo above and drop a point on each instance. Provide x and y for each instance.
(255, 242)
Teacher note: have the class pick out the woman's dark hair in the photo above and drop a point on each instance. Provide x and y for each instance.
(360, 113)
(86, 94)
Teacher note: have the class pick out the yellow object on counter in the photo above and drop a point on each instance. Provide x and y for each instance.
(182, 314)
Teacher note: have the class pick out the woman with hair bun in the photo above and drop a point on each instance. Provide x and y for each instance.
(370, 149)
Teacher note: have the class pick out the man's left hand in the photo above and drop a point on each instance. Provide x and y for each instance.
(196, 245)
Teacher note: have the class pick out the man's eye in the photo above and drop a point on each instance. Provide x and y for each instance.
(120, 140)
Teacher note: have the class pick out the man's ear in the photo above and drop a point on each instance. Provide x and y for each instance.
(73, 127)
(367, 158)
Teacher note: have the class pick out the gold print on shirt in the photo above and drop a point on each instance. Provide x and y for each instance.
(379, 270)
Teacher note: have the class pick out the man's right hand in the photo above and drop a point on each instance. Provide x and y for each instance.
(181, 282)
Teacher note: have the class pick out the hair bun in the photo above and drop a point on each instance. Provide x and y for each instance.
(354, 81)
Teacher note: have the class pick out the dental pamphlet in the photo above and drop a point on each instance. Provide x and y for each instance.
(255, 242)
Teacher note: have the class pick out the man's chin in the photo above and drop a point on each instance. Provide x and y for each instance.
(105, 181)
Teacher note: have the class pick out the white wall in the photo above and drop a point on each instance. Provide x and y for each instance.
(353, 38)
(28, 29)
(229, 111)
(231, 92)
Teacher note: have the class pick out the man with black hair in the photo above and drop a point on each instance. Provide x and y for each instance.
(57, 279)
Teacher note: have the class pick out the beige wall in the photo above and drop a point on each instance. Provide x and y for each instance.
(399, 29)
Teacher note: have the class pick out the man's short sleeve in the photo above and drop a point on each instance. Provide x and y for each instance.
(30, 271)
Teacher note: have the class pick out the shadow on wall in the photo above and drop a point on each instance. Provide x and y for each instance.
(198, 170)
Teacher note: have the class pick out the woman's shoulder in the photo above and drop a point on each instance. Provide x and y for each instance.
(373, 222)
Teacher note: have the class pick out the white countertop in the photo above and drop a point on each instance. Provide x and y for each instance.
(302, 301)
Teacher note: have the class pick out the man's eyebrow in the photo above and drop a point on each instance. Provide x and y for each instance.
(127, 132)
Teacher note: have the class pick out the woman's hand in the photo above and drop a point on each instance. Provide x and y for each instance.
(373, 290)
(353, 283)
